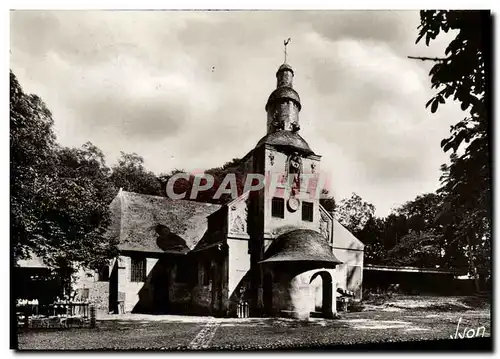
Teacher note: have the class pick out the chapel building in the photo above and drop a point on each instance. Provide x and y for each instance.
(276, 249)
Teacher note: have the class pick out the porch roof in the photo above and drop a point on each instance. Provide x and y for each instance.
(301, 245)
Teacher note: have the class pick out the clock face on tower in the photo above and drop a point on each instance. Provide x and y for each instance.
(293, 204)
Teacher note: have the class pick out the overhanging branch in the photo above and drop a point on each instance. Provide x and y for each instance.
(435, 59)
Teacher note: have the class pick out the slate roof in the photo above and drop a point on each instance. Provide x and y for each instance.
(301, 245)
(286, 138)
(284, 92)
(159, 224)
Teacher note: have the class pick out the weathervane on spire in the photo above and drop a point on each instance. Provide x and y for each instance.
(286, 42)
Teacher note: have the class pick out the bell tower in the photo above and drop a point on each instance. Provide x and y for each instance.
(289, 199)
(289, 163)
(283, 105)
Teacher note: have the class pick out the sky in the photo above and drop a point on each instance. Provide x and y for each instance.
(187, 89)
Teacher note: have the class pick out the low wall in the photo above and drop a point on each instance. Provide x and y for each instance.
(416, 283)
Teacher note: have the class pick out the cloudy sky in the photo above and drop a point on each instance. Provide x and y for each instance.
(188, 89)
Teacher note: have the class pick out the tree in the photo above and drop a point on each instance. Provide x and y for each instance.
(466, 181)
(372, 236)
(59, 196)
(417, 249)
(354, 213)
(395, 228)
(130, 175)
(77, 214)
(421, 213)
(32, 162)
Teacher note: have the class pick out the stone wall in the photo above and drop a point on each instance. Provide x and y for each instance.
(133, 291)
(87, 286)
(192, 296)
(238, 268)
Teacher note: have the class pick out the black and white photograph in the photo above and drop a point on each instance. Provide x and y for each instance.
(250, 180)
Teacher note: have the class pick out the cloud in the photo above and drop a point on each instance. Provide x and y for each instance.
(188, 89)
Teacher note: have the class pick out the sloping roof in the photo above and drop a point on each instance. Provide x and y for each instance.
(301, 245)
(159, 224)
(344, 239)
(288, 139)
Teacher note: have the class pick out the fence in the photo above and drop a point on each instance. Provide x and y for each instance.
(55, 315)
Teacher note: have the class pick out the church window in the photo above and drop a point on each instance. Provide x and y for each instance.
(307, 211)
(278, 207)
(138, 270)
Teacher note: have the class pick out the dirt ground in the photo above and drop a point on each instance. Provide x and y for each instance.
(397, 319)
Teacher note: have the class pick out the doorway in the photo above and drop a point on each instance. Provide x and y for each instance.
(321, 286)
(160, 284)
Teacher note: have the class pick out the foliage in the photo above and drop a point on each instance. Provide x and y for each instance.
(421, 212)
(466, 181)
(353, 213)
(372, 236)
(131, 175)
(77, 214)
(32, 153)
(399, 234)
(395, 228)
(419, 249)
(59, 195)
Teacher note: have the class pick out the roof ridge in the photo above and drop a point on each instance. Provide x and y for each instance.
(122, 193)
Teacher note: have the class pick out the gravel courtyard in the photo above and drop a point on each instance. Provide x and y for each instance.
(405, 319)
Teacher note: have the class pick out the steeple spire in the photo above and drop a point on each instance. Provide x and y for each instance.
(283, 105)
(286, 42)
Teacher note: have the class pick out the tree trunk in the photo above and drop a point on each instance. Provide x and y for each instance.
(472, 265)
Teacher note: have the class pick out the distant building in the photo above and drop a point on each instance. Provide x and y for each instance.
(33, 279)
(281, 252)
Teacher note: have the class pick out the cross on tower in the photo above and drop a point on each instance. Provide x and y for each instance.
(286, 42)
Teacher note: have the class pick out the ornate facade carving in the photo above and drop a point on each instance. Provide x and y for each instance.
(278, 125)
(238, 223)
(271, 158)
(294, 168)
(325, 226)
